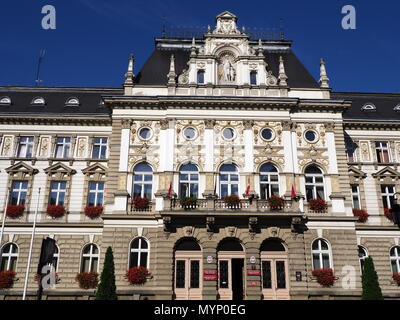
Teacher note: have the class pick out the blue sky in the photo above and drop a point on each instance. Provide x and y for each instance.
(94, 38)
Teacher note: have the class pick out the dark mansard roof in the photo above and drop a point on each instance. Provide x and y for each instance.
(156, 68)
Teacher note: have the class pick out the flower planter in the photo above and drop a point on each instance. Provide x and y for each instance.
(15, 211)
(325, 277)
(93, 212)
(55, 211)
(188, 203)
(276, 203)
(396, 278)
(7, 279)
(87, 280)
(140, 203)
(318, 205)
(361, 214)
(388, 214)
(137, 275)
(232, 202)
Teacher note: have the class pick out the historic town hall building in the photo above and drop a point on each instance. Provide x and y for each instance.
(152, 170)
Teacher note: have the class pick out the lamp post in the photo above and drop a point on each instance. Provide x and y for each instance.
(395, 210)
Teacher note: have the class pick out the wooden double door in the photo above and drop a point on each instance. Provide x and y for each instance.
(188, 271)
(274, 276)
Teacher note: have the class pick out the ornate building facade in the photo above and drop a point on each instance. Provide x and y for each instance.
(223, 167)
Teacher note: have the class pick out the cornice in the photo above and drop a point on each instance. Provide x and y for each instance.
(95, 120)
(368, 125)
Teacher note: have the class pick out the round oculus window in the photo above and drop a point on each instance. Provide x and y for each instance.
(228, 133)
(310, 136)
(267, 134)
(190, 133)
(145, 133)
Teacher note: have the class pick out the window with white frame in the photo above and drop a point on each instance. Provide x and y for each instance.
(25, 147)
(188, 181)
(395, 259)
(229, 180)
(388, 195)
(96, 194)
(9, 257)
(253, 78)
(314, 183)
(19, 190)
(99, 148)
(355, 196)
(142, 181)
(57, 193)
(269, 181)
(90, 258)
(201, 76)
(382, 152)
(63, 146)
(139, 253)
(362, 255)
(321, 255)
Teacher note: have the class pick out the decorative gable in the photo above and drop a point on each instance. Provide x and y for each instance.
(387, 175)
(59, 171)
(95, 172)
(21, 170)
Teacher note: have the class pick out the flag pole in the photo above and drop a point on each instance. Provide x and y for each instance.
(4, 216)
(30, 248)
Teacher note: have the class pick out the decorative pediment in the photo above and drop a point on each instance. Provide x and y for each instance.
(226, 24)
(95, 171)
(386, 173)
(353, 171)
(21, 170)
(59, 170)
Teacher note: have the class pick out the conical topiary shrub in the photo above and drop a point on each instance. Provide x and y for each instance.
(370, 283)
(107, 289)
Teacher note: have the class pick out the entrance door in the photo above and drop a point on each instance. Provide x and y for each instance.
(275, 277)
(230, 278)
(187, 278)
(237, 279)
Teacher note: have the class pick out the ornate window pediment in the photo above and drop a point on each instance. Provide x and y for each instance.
(59, 171)
(353, 171)
(95, 171)
(21, 170)
(387, 173)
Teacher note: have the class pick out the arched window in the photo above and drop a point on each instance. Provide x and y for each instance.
(9, 257)
(73, 101)
(90, 258)
(253, 78)
(5, 101)
(314, 183)
(38, 101)
(321, 255)
(395, 259)
(362, 255)
(269, 181)
(139, 253)
(200, 76)
(142, 180)
(229, 180)
(188, 181)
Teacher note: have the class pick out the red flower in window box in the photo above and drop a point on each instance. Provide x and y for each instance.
(276, 203)
(318, 205)
(388, 214)
(55, 211)
(7, 278)
(137, 275)
(325, 277)
(93, 211)
(396, 278)
(140, 203)
(87, 280)
(15, 211)
(361, 214)
(232, 201)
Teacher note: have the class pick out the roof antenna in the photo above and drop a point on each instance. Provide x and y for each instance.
(282, 29)
(41, 56)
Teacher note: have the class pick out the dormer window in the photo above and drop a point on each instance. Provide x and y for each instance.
(38, 101)
(72, 102)
(369, 107)
(253, 78)
(397, 108)
(200, 76)
(5, 101)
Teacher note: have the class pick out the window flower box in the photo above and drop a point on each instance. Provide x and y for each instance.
(396, 278)
(137, 275)
(7, 279)
(325, 277)
(188, 202)
(232, 202)
(55, 211)
(93, 212)
(388, 214)
(140, 203)
(318, 205)
(87, 280)
(15, 211)
(276, 203)
(361, 214)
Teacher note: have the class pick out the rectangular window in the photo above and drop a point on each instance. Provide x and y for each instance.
(388, 195)
(63, 145)
(223, 274)
(180, 274)
(194, 274)
(19, 190)
(280, 275)
(266, 275)
(57, 193)
(355, 195)
(99, 148)
(200, 76)
(25, 147)
(382, 152)
(96, 194)
(253, 78)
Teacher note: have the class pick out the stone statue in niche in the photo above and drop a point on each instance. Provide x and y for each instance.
(227, 72)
